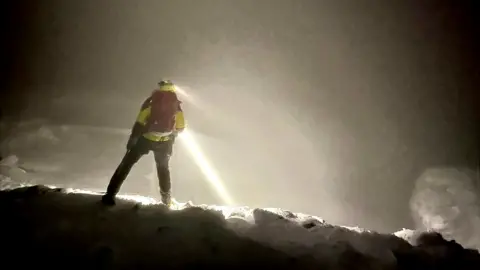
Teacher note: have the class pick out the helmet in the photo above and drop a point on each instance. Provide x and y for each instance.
(166, 85)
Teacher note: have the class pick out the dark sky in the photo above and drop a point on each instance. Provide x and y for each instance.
(346, 101)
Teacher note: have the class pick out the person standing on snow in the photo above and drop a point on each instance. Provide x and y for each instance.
(159, 122)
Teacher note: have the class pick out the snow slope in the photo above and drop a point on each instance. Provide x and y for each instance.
(84, 157)
(69, 229)
(50, 227)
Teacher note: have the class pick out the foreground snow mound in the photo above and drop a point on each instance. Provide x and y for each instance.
(51, 227)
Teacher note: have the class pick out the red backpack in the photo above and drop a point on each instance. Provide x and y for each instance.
(164, 106)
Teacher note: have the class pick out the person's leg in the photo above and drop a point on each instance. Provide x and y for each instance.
(131, 157)
(162, 153)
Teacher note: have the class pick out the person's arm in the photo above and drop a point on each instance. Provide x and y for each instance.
(139, 126)
(142, 118)
(180, 123)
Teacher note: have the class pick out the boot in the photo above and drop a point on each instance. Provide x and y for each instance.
(166, 198)
(108, 199)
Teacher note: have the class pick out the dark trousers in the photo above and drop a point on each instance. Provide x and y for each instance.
(162, 152)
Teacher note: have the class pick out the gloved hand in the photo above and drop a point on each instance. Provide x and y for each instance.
(131, 142)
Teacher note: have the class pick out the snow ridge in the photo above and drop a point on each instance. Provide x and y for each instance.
(53, 225)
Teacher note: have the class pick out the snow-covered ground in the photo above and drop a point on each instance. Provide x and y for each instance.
(52, 226)
(85, 157)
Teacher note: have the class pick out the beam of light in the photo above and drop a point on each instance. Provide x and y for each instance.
(182, 92)
(210, 175)
(184, 96)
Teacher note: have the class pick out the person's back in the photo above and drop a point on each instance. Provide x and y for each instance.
(159, 121)
(164, 106)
